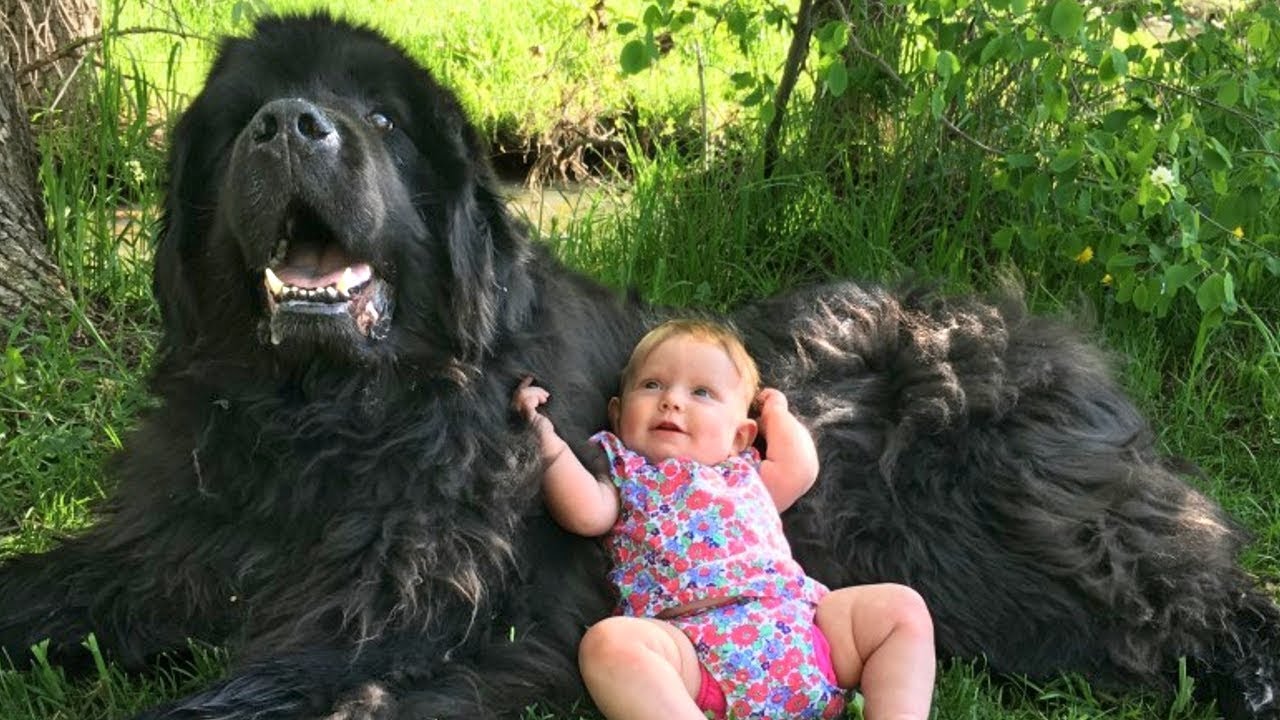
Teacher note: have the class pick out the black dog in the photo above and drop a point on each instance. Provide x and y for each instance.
(334, 485)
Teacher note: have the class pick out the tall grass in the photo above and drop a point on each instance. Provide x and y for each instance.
(680, 229)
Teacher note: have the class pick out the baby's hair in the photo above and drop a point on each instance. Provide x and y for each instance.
(706, 331)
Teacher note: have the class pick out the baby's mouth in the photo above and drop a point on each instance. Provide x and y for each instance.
(668, 427)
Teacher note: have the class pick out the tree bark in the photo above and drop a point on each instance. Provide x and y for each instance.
(28, 279)
(48, 71)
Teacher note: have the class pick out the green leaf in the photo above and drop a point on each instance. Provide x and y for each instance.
(948, 64)
(937, 102)
(1229, 305)
(653, 17)
(1116, 120)
(1020, 160)
(833, 37)
(1175, 276)
(635, 57)
(1219, 180)
(997, 48)
(743, 80)
(1066, 159)
(1003, 239)
(1033, 49)
(767, 111)
(1142, 299)
(1259, 35)
(626, 28)
(1067, 18)
(1114, 66)
(1121, 261)
(1212, 293)
(1126, 20)
(1216, 157)
(916, 107)
(1055, 100)
(1229, 93)
(1273, 264)
(836, 78)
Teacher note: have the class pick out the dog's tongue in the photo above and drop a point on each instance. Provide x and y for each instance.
(314, 267)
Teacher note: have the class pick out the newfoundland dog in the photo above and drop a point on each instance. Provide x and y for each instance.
(332, 482)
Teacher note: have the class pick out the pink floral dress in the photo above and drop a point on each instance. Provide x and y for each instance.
(689, 533)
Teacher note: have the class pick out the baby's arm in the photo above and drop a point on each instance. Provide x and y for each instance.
(791, 465)
(577, 499)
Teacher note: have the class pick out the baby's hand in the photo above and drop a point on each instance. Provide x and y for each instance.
(772, 406)
(528, 398)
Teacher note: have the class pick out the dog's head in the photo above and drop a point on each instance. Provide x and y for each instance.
(329, 201)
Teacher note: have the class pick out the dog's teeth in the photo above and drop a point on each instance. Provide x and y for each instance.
(274, 284)
(282, 248)
(331, 292)
(346, 281)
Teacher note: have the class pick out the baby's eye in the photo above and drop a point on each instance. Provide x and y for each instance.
(651, 385)
(702, 392)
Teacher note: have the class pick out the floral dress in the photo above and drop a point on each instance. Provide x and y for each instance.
(692, 533)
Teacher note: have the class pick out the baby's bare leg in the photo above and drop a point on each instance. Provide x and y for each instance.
(640, 668)
(881, 640)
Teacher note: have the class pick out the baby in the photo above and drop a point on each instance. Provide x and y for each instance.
(714, 614)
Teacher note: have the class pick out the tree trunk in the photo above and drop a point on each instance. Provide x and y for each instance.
(49, 61)
(28, 280)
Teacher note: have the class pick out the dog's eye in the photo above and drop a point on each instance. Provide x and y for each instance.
(380, 121)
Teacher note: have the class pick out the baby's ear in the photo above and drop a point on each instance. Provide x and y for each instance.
(745, 435)
(615, 412)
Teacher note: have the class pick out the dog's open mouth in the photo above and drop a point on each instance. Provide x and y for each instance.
(310, 274)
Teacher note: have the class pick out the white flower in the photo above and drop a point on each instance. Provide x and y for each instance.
(135, 171)
(1162, 176)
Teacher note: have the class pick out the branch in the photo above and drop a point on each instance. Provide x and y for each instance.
(70, 48)
(893, 75)
(887, 70)
(790, 74)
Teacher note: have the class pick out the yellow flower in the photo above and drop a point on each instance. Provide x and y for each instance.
(1106, 279)
(1238, 232)
(1085, 255)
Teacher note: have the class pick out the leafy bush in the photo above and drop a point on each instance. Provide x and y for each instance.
(1131, 141)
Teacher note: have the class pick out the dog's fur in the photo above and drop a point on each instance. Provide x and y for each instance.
(341, 493)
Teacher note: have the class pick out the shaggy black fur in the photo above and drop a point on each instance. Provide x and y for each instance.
(338, 491)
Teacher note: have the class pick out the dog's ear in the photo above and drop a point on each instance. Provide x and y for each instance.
(170, 283)
(478, 230)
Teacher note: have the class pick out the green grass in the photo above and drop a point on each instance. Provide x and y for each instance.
(520, 66)
(679, 232)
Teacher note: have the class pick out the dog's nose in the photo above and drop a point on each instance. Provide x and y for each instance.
(296, 121)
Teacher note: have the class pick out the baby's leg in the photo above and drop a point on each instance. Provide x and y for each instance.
(881, 640)
(640, 668)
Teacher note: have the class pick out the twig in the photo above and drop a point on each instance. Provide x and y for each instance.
(702, 94)
(893, 75)
(1252, 120)
(886, 69)
(74, 45)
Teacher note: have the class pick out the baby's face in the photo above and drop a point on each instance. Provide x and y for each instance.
(686, 400)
